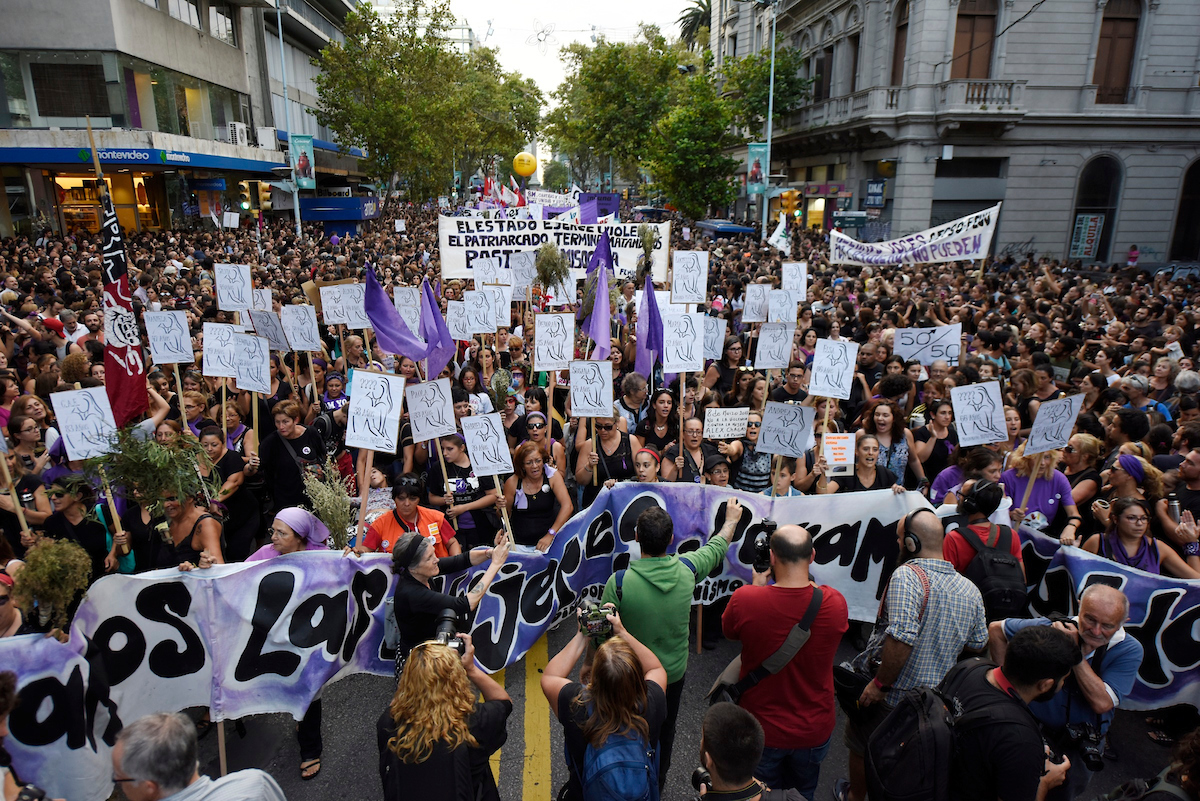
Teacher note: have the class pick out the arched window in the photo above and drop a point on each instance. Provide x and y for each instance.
(973, 37)
(900, 49)
(1096, 209)
(1114, 56)
(1185, 245)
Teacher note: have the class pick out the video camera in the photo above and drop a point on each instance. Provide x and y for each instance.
(762, 545)
(446, 630)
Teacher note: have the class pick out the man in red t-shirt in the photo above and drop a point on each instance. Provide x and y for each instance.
(796, 705)
(389, 527)
(977, 501)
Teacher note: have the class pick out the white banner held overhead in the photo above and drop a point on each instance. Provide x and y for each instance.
(235, 289)
(787, 429)
(714, 336)
(783, 306)
(552, 335)
(407, 300)
(252, 361)
(300, 327)
(168, 337)
(689, 276)
(683, 343)
(219, 360)
(758, 300)
(964, 239)
(430, 409)
(725, 423)
(591, 389)
(484, 435)
(794, 277)
(266, 324)
(774, 351)
(85, 419)
(462, 240)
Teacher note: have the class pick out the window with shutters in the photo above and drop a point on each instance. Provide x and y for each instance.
(853, 45)
(975, 32)
(822, 74)
(900, 48)
(1114, 55)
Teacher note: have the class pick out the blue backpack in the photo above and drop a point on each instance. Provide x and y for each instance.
(622, 769)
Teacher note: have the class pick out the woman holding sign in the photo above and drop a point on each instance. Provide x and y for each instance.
(1043, 491)
(537, 499)
(611, 461)
(867, 475)
(687, 463)
(722, 373)
(466, 502)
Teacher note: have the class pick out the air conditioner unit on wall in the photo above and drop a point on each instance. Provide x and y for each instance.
(267, 138)
(238, 134)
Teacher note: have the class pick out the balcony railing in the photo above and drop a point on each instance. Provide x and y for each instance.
(882, 101)
(981, 97)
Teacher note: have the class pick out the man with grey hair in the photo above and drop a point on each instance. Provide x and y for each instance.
(1076, 718)
(155, 759)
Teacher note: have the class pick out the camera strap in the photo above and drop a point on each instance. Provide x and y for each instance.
(751, 790)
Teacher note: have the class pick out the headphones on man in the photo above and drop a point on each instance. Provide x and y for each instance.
(970, 500)
(912, 543)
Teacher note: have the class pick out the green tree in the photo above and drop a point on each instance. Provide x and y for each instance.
(554, 176)
(748, 86)
(693, 22)
(687, 157)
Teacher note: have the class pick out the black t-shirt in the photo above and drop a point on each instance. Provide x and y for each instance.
(940, 456)
(282, 472)
(1001, 759)
(884, 479)
(241, 503)
(573, 716)
(646, 433)
(445, 776)
(781, 395)
(89, 535)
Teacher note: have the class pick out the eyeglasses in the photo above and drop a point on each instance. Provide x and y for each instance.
(274, 532)
(539, 426)
(1136, 520)
(1068, 449)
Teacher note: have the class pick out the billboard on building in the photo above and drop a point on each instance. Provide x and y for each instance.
(1085, 239)
(303, 163)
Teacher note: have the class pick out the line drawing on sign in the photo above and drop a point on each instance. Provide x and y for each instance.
(435, 402)
(252, 369)
(479, 312)
(552, 346)
(714, 336)
(689, 279)
(169, 338)
(231, 280)
(685, 340)
(524, 269)
(379, 393)
(222, 354)
(980, 401)
(835, 378)
(757, 303)
(488, 443)
(592, 392)
(774, 342)
(88, 431)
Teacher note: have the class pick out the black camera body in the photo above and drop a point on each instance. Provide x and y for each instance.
(1087, 739)
(446, 630)
(701, 778)
(31, 793)
(762, 545)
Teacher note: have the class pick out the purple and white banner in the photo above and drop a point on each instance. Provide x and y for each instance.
(267, 636)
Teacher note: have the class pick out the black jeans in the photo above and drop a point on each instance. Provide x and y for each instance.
(666, 737)
(308, 732)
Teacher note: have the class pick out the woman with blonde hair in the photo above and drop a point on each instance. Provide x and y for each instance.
(434, 739)
(1049, 492)
(624, 696)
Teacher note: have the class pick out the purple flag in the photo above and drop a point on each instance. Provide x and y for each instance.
(602, 255)
(437, 334)
(649, 332)
(391, 332)
(588, 212)
(597, 325)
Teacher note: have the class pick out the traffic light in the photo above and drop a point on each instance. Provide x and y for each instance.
(264, 196)
(244, 195)
(789, 201)
(625, 194)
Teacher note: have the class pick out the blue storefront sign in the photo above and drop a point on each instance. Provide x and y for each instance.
(81, 158)
(876, 194)
(341, 215)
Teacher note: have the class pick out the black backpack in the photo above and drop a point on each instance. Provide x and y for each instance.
(997, 574)
(910, 757)
(1137, 789)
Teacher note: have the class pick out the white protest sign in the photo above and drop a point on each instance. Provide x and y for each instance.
(300, 327)
(479, 312)
(500, 296)
(373, 416)
(689, 276)
(85, 420)
(486, 444)
(407, 300)
(774, 350)
(219, 350)
(491, 271)
(331, 304)
(457, 322)
(430, 409)
(560, 295)
(235, 289)
(838, 450)
(714, 336)
(354, 306)
(462, 240)
(591, 388)
(787, 429)
(683, 343)
(401, 226)
(758, 297)
(167, 334)
(1053, 425)
(979, 414)
(262, 300)
(928, 345)
(833, 368)
(782, 306)
(794, 277)
(727, 423)
(524, 270)
(552, 336)
(231, 219)
(252, 360)
(964, 239)
(266, 324)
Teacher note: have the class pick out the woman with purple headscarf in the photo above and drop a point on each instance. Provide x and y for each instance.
(296, 530)
(1128, 542)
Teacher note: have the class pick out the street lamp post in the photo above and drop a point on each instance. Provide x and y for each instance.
(287, 116)
(770, 120)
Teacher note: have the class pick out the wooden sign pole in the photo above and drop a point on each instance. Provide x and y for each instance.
(16, 497)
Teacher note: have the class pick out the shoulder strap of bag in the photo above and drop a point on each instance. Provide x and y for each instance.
(975, 541)
(292, 452)
(1163, 784)
(791, 646)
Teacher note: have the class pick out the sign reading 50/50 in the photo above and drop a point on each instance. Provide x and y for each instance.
(928, 345)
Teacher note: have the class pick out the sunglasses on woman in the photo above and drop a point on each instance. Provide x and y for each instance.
(608, 427)
(539, 426)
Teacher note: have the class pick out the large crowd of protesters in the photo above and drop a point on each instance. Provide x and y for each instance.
(1126, 487)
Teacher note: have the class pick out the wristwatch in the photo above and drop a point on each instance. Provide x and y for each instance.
(1192, 549)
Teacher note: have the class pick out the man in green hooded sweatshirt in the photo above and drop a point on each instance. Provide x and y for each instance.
(654, 597)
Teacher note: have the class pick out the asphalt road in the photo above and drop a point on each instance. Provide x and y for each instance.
(531, 764)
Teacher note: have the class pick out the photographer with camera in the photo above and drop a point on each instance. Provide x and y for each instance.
(731, 746)
(417, 607)
(434, 739)
(655, 598)
(1076, 718)
(795, 705)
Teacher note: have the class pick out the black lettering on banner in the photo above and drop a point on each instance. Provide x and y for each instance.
(599, 540)
(492, 644)
(1154, 624)
(66, 716)
(369, 590)
(119, 664)
(168, 603)
(537, 596)
(329, 629)
(1179, 646)
(572, 558)
(274, 591)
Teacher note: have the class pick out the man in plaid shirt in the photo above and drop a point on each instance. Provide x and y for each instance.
(930, 614)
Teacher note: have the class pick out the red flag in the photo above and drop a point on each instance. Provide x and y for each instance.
(124, 370)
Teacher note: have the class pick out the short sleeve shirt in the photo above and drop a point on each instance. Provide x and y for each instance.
(382, 535)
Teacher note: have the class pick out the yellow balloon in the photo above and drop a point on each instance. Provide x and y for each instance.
(524, 164)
